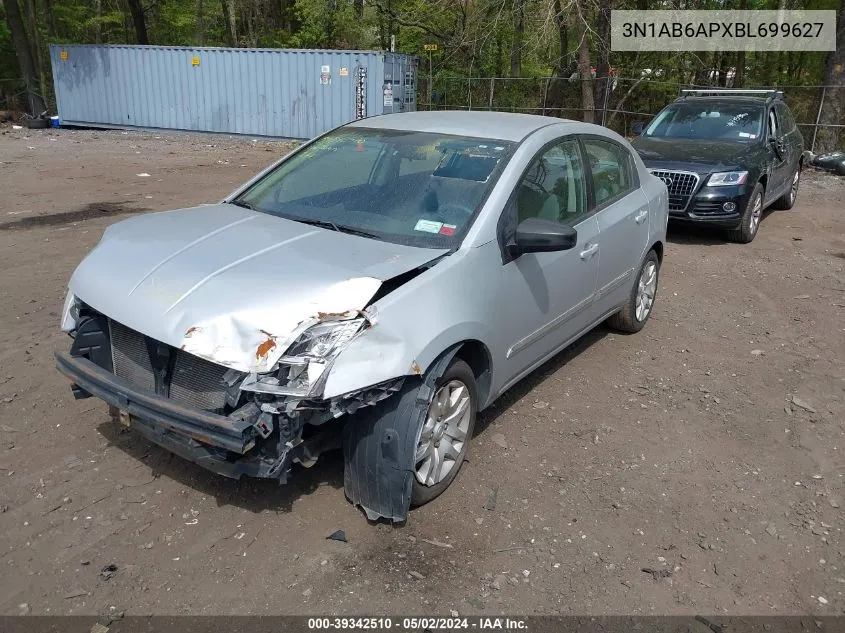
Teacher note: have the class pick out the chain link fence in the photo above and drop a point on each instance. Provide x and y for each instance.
(620, 102)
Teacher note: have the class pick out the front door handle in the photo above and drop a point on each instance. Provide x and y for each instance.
(642, 215)
(588, 252)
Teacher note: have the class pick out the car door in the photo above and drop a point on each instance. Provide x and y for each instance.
(779, 173)
(546, 298)
(621, 210)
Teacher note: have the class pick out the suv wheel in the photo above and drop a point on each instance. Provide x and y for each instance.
(633, 315)
(747, 228)
(787, 200)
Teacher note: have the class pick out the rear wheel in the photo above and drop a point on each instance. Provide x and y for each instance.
(747, 229)
(787, 200)
(633, 315)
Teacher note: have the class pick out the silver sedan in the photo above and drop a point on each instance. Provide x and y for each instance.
(373, 290)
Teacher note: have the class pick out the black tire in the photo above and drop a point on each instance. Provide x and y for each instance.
(457, 370)
(787, 200)
(626, 319)
(748, 226)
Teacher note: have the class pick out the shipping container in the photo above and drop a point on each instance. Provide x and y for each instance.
(260, 92)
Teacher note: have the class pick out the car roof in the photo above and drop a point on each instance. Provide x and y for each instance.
(506, 126)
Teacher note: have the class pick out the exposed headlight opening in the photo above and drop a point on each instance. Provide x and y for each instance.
(304, 368)
(725, 178)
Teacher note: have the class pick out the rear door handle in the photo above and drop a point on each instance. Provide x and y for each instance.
(588, 252)
(642, 215)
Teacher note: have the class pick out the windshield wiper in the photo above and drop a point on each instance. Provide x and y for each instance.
(241, 203)
(340, 228)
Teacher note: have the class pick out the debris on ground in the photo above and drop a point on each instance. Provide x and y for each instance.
(657, 574)
(802, 404)
(436, 543)
(108, 571)
(490, 502)
(416, 575)
(338, 535)
(499, 440)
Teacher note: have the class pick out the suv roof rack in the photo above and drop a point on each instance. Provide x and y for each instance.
(737, 92)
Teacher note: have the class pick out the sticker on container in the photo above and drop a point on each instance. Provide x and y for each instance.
(63, 56)
(343, 71)
(448, 229)
(388, 95)
(428, 226)
(195, 61)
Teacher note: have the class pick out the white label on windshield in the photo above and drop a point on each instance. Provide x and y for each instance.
(747, 135)
(429, 226)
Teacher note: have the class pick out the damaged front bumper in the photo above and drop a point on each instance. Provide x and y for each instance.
(232, 446)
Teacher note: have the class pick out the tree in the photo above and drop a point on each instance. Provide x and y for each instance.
(230, 20)
(603, 51)
(585, 70)
(833, 111)
(23, 51)
(139, 21)
(518, 36)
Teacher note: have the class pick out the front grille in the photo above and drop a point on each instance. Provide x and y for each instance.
(130, 358)
(194, 382)
(197, 382)
(681, 185)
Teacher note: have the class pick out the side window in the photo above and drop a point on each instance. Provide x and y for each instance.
(787, 123)
(773, 124)
(611, 168)
(554, 187)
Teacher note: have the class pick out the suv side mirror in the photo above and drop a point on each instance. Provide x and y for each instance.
(779, 146)
(637, 128)
(535, 235)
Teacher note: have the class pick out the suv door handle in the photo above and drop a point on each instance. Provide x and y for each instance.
(642, 215)
(589, 251)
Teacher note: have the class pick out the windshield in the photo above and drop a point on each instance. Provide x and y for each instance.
(715, 121)
(412, 188)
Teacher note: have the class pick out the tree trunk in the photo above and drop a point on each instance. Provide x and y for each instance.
(833, 108)
(49, 19)
(98, 24)
(138, 21)
(35, 43)
(35, 101)
(359, 8)
(603, 51)
(200, 25)
(231, 23)
(585, 71)
(518, 36)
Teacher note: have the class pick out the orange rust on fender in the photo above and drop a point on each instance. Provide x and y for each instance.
(191, 330)
(265, 348)
(322, 316)
(416, 368)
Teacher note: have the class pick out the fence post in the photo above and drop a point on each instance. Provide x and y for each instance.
(490, 96)
(818, 118)
(604, 105)
(546, 94)
(469, 92)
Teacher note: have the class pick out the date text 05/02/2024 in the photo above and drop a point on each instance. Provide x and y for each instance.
(417, 624)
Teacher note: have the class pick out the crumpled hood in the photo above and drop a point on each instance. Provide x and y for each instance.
(233, 285)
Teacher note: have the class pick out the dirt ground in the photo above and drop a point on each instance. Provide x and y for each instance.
(708, 448)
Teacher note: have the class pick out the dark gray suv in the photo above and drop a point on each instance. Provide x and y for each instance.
(725, 156)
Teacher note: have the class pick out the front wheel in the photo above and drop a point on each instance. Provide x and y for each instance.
(747, 228)
(633, 315)
(444, 435)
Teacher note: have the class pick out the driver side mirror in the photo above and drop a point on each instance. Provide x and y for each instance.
(779, 146)
(535, 235)
(637, 128)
